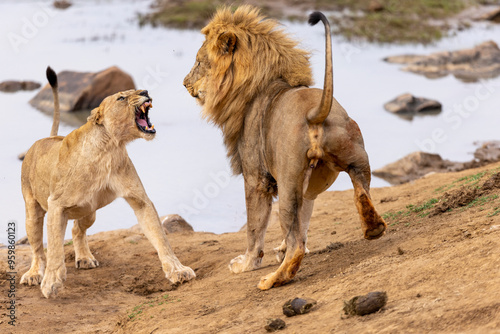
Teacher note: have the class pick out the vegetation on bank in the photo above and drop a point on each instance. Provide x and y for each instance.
(384, 21)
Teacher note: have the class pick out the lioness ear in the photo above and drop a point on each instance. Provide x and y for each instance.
(226, 42)
(96, 116)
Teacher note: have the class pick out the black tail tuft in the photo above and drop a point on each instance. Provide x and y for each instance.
(52, 77)
(315, 18)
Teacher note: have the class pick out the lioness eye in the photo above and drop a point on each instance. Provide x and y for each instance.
(120, 98)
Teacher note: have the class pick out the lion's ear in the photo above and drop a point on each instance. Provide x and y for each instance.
(96, 116)
(226, 42)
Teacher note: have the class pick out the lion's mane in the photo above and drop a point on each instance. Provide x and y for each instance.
(262, 54)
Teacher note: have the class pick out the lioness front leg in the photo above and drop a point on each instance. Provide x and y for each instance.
(34, 229)
(150, 223)
(83, 256)
(55, 274)
(258, 210)
(306, 212)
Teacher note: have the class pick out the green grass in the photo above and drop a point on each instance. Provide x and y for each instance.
(422, 210)
(69, 243)
(401, 21)
(495, 212)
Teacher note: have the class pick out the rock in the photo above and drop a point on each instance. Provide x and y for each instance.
(12, 86)
(23, 241)
(375, 6)
(493, 15)
(418, 164)
(274, 324)
(298, 306)
(412, 167)
(482, 61)
(488, 151)
(363, 305)
(410, 105)
(175, 224)
(83, 90)
(62, 4)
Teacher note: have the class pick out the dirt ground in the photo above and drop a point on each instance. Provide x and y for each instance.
(439, 264)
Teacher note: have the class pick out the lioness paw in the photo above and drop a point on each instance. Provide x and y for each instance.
(86, 263)
(53, 282)
(181, 275)
(31, 278)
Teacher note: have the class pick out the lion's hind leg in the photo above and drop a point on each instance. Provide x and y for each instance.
(372, 223)
(306, 213)
(290, 207)
(83, 256)
(34, 230)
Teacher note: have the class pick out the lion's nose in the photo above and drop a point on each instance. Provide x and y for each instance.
(144, 93)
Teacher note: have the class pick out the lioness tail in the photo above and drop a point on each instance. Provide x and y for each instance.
(52, 77)
(319, 115)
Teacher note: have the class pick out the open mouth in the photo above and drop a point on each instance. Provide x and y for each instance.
(142, 117)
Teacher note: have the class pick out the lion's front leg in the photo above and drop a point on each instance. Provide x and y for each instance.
(83, 256)
(258, 210)
(55, 274)
(150, 223)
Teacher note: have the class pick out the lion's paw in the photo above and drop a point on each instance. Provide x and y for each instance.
(377, 232)
(183, 274)
(241, 263)
(53, 281)
(281, 251)
(268, 281)
(86, 263)
(32, 277)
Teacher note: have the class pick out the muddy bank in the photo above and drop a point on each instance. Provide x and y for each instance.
(419, 263)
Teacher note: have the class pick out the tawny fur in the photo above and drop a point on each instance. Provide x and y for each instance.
(264, 54)
(284, 137)
(71, 177)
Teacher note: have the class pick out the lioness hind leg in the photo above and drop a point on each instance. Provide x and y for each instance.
(306, 212)
(34, 230)
(372, 223)
(83, 256)
(258, 210)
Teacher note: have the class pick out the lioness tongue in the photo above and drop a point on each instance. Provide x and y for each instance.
(142, 122)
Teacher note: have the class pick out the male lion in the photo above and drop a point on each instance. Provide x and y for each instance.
(71, 177)
(283, 137)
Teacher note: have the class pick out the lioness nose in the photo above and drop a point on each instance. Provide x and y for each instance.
(144, 93)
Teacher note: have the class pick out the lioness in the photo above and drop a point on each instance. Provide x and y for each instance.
(284, 137)
(71, 177)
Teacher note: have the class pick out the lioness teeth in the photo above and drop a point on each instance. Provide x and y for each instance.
(152, 127)
(143, 109)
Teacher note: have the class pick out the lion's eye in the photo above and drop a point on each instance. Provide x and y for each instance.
(121, 98)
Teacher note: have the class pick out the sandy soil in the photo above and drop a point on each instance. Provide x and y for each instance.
(441, 272)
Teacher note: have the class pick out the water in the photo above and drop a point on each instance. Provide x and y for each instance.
(184, 170)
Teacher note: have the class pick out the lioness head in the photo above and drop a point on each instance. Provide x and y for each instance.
(125, 115)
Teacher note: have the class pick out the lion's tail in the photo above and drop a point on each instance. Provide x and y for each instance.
(52, 77)
(319, 115)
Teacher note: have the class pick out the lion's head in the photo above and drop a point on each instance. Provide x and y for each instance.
(243, 53)
(125, 115)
